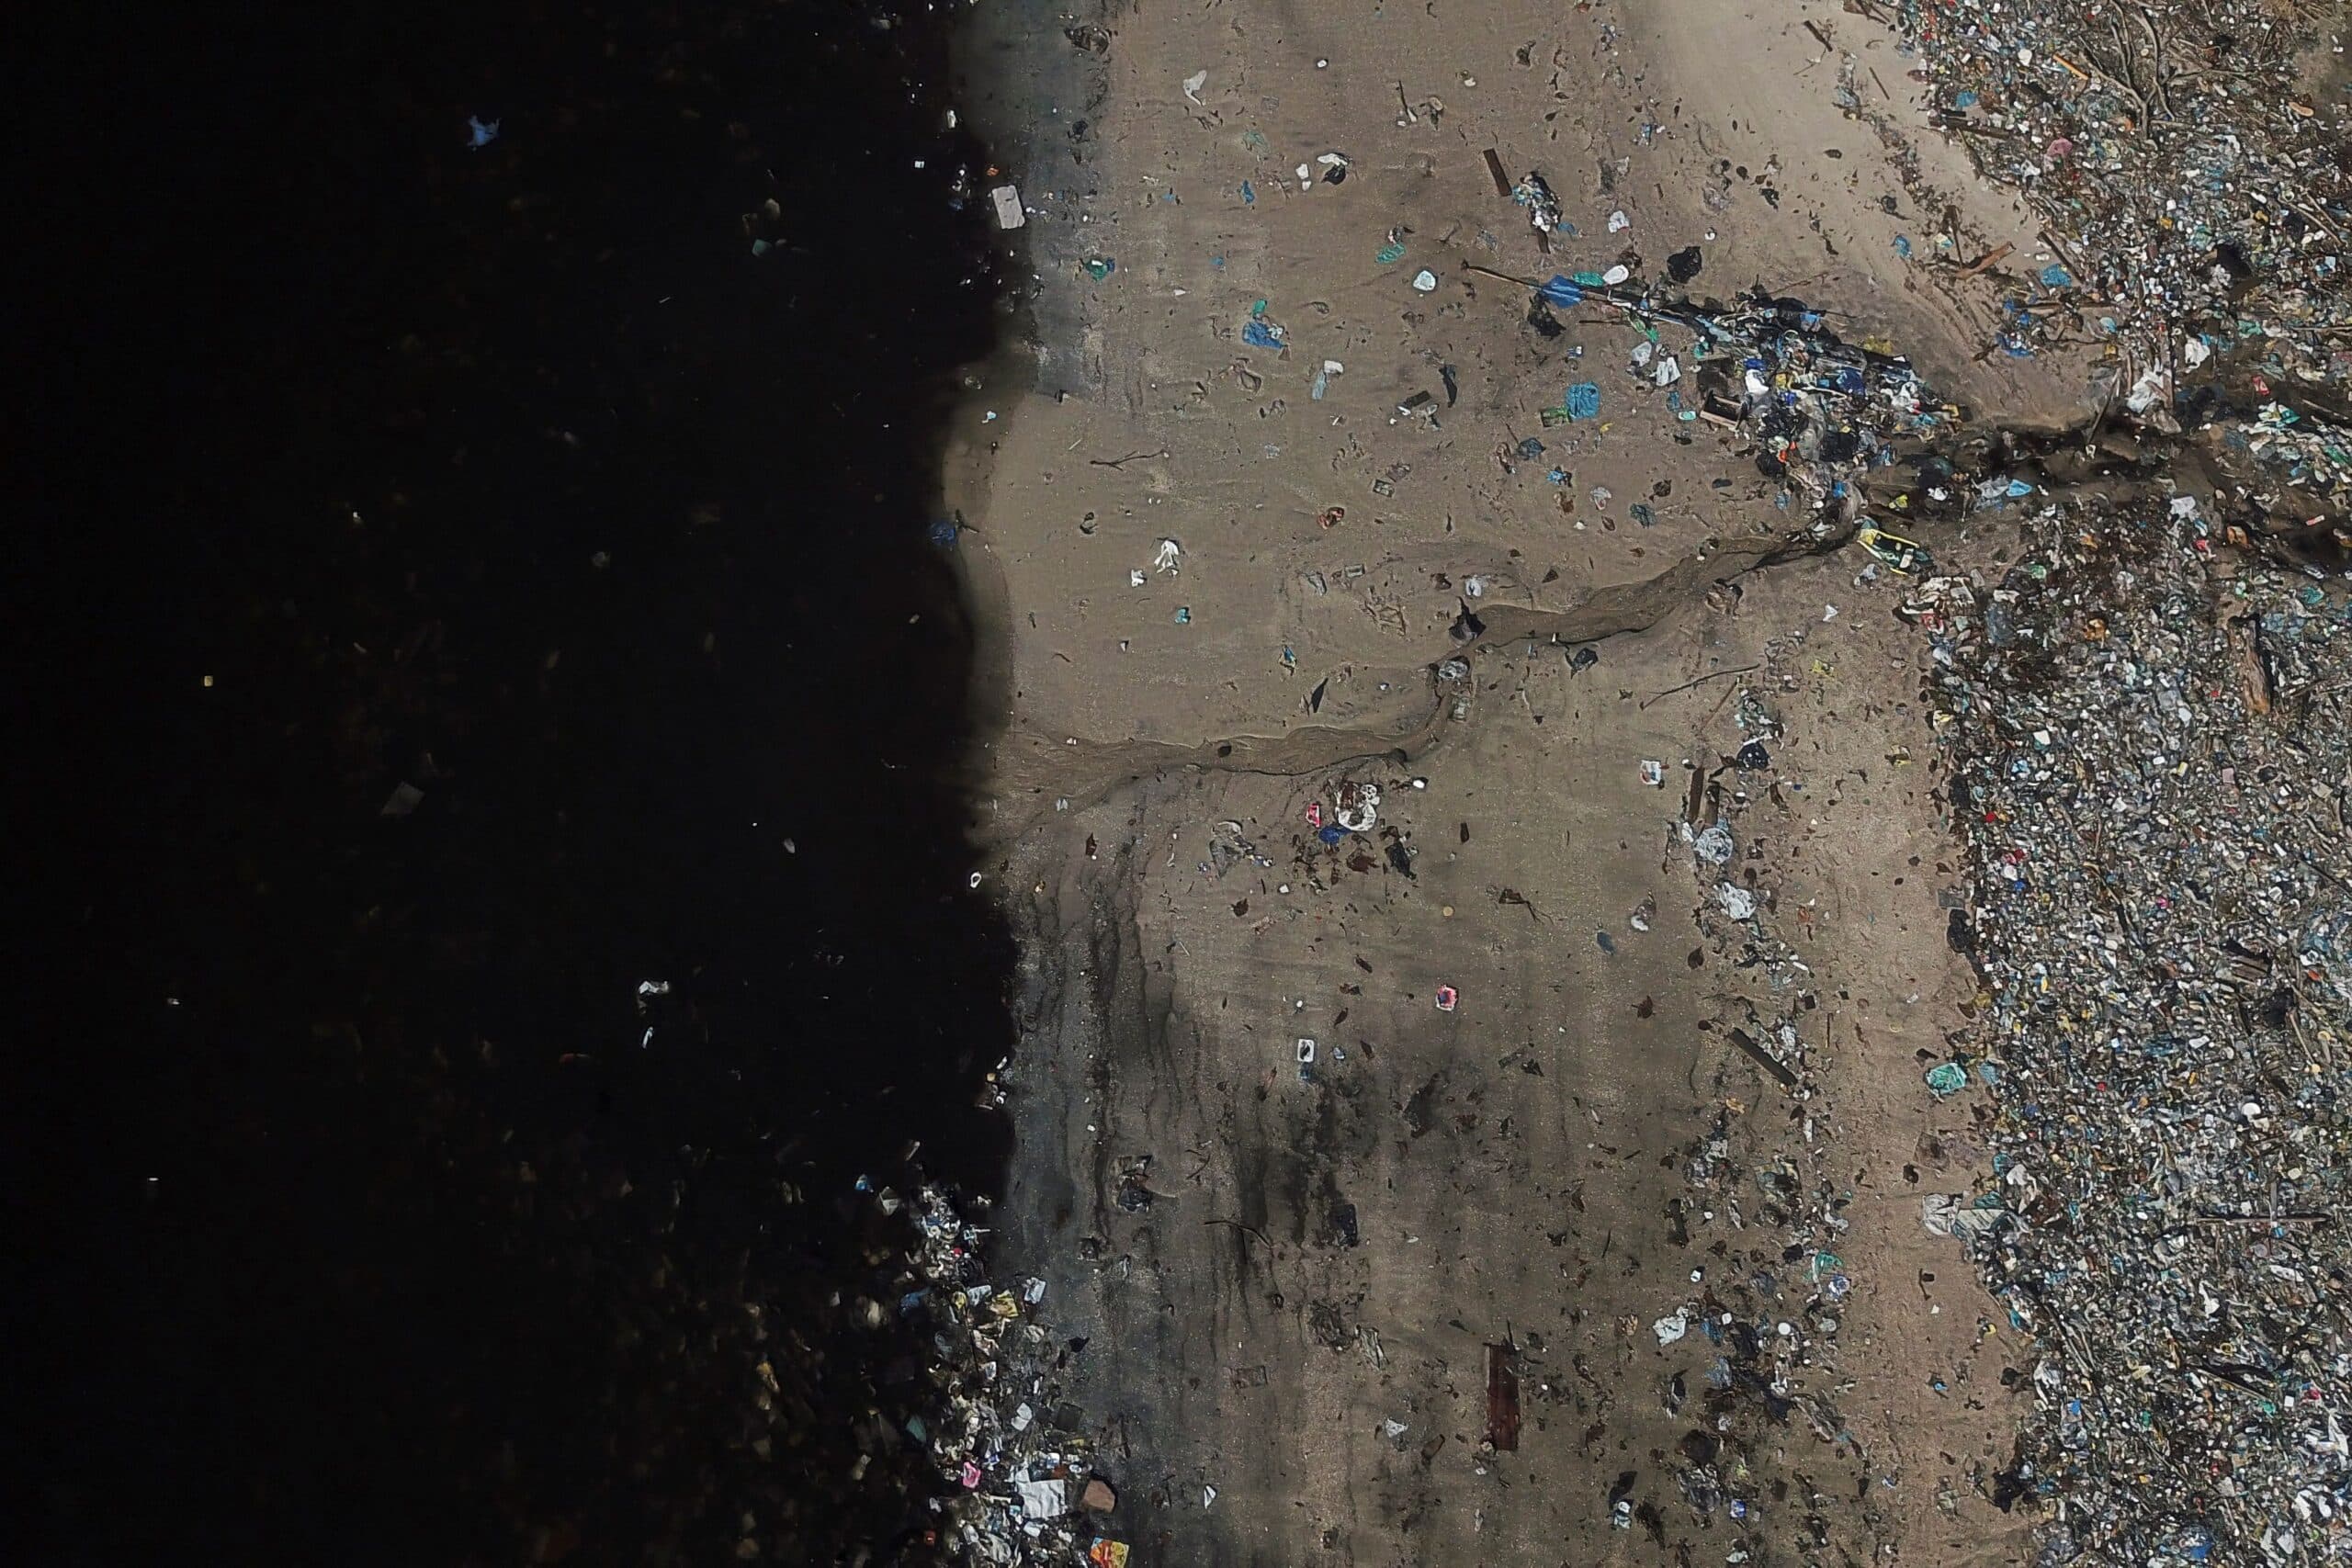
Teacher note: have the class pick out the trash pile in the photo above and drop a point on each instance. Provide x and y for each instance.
(2149, 740)
(1024, 1487)
(1823, 411)
(2197, 181)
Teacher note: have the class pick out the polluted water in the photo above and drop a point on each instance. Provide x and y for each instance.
(529, 1008)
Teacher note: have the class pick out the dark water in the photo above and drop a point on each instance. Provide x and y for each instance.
(361, 1223)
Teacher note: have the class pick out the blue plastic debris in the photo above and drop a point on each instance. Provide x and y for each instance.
(1965, 99)
(1530, 448)
(1561, 292)
(1583, 400)
(1261, 335)
(1608, 944)
(942, 533)
(478, 135)
(1248, 194)
(1184, 615)
(1902, 246)
(1330, 833)
(2056, 276)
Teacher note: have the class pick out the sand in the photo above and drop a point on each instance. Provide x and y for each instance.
(1215, 600)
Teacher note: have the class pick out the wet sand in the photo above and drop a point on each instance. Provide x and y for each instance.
(1307, 1289)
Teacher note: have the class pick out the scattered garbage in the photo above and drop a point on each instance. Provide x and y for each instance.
(1025, 1479)
(480, 133)
(1005, 201)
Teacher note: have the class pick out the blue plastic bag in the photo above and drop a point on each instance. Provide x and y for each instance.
(1561, 292)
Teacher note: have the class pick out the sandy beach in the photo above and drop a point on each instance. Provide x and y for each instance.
(1401, 1189)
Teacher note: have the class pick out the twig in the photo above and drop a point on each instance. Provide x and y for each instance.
(1503, 277)
(1123, 462)
(1686, 686)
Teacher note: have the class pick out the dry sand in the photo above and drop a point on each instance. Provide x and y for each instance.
(1518, 1168)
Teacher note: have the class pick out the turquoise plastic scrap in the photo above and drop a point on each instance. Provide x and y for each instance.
(1583, 400)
